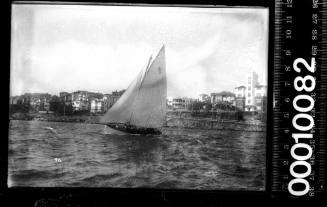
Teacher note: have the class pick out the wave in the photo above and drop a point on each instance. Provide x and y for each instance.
(92, 158)
(168, 184)
(87, 163)
(32, 174)
(101, 178)
(51, 129)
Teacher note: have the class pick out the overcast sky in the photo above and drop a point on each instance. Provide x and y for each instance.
(102, 48)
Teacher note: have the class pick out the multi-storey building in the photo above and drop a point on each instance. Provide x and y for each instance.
(14, 100)
(224, 96)
(66, 98)
(261, 98)
(38, 101)
(253, 96)
(179, 104)
(240, 92)
(252, 82)
(170, 103)
(110, 99)
(189, 103)
(62, 94)
(96, 106)
(240, 97)
(80, 101)
(204, 97)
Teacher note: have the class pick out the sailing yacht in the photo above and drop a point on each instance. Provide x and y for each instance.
(142, 107)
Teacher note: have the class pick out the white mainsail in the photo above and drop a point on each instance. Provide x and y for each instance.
(144, 102)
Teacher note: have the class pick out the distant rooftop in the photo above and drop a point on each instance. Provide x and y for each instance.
(223, 93)
(240, 87)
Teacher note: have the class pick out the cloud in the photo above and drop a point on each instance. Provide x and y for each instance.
(80, 66)
(67, 48)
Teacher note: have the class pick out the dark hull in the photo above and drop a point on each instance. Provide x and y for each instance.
(132, 129)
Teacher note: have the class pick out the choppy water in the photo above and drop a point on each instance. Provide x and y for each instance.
(60, 154)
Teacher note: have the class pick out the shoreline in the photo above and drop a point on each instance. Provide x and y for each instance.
(56, 118)
(173, 122)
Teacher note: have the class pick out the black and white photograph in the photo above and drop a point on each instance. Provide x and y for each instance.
(138, 96)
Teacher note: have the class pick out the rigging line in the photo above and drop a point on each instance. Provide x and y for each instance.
(150, 59)
(146, 71)
(149, 65)
(138, 91)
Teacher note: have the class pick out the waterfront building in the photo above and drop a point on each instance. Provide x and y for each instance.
(189, 103)
(118, 93)
(261, 98)
(92, 95)
(204, 97)
(46, 105)
(253, 96)
(99, 106)
(37, 101)
(179, 103)
(96, 106)
(66, 98)
(240, 91)
(79, 95)
(80, 101)
(14, 100)
(260, 90)
(62, 94)
(110, 99)
(240, 97)
(26, 100)
(252, 82)
(169, 103)
(224, 96)
(105, 100)
(80, 105)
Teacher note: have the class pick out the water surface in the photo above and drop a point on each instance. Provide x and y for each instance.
(57, 154)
